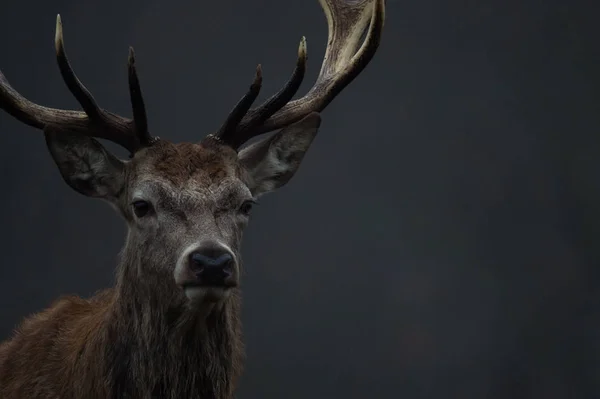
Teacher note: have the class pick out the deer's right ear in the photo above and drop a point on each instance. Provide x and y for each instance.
(86, 165)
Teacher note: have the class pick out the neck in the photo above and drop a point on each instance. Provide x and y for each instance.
(162, 347)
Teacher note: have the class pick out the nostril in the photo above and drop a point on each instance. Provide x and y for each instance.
(198, 261)
(225, 261)
(228, 267)
(205, 262)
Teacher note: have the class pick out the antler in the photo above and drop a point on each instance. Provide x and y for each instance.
(93, 121)
(343, 61)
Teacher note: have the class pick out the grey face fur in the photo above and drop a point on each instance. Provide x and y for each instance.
(192, 196)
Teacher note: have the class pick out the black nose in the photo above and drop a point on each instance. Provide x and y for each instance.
(212, 266)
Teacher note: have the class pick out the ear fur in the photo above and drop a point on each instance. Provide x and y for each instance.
(85, 165)
(273, 161)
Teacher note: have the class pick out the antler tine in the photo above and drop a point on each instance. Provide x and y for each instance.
(347, 20)
(137, 103)
(242, 127)
(227, 131)
(93, 121)
(256, 116)
(79, 91)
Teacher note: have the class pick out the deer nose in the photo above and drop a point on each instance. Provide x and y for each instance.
(212, 265)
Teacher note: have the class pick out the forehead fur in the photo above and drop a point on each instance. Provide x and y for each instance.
(181, 162)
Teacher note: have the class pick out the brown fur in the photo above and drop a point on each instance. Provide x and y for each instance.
(142, 338)
(150, 336)
(138, 339)
(183, 161)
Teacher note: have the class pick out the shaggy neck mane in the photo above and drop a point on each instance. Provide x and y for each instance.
(156, 345)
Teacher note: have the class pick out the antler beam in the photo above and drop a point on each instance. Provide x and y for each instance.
(344, 59)
(93, 121)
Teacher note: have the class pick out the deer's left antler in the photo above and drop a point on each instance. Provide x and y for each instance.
(344, 59)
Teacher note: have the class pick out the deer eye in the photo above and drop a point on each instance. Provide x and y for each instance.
(140, 208)
(247, 207)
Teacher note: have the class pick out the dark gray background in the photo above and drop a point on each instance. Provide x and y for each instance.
(439, 240)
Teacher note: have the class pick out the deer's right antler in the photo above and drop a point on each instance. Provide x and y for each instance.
(344, 60)
(93, 121)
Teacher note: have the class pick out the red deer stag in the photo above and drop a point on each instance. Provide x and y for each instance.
(170, 328)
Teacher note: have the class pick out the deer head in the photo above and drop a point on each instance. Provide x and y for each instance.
(186, 204)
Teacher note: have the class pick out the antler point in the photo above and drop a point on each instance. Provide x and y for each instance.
(131, 56)
(58, 36)
(258, 77)
(302, 48)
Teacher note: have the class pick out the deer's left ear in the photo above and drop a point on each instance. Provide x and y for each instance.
(271, 162)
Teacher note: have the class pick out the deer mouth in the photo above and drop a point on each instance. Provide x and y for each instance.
(211, 291)
(202, 285)
(201, 292)
(197, 291)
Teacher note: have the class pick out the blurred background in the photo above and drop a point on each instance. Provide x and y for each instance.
(439, 240)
